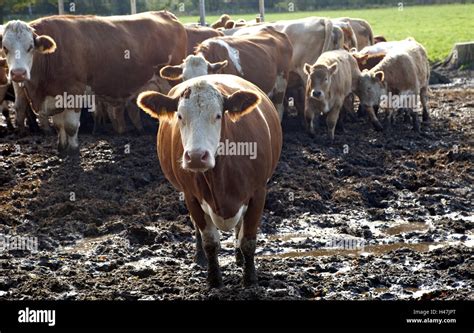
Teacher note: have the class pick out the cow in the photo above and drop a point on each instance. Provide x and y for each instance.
(379, 39)
(349, 36)
(220, 23)
(51, 64)
(368, 60)
(404, 73)
(331, 81)
(222, 190)
(362, 30)
(337, 38)
(309, 36)
(3, 72)
(267, 51)
(197, 34)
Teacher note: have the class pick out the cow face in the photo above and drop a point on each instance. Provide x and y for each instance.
(193, 66)
(319, 81)
(199, 113)
(370, 88)
(19, 43)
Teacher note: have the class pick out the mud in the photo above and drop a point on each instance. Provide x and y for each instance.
(371, 216)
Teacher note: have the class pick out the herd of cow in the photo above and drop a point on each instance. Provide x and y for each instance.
(207, 85)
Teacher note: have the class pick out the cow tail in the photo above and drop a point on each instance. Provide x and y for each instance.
(328, 36)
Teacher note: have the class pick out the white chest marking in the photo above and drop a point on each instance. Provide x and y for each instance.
(221, 223)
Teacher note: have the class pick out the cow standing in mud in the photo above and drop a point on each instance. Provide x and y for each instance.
(267, 51)
(65, 55)
(331, 80)
(221, 191)
(404, 73)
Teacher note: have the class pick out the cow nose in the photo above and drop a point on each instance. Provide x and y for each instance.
(197, 159)
(316, 93)
(18, 75)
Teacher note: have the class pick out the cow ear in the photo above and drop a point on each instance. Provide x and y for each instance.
(172, 73)
(379, 76)
(45, 44)
(363, 59)
(157, 105)
(216, 67)
(333, 69)
(240, 103)
(307, 68)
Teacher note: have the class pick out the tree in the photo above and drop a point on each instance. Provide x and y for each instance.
(8, 6)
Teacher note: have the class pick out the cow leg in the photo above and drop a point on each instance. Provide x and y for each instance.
(424, 103)
(248, 236)
(21, 104)
(210, 240)
(67, 124)
(239, 258)
(6, 114)
(331, 120)
(373, 119)
(199, 257)
(414, 118)
(279, 93)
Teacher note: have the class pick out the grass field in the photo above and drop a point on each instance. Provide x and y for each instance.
(437, 27)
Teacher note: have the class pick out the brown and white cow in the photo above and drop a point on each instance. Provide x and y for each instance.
(331, 81)
(362, 30)
(197, 34)
(222, 190)
(402, 74)
(112, 56)
(262, 58)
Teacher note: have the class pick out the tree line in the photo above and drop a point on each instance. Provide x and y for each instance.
(30, 9)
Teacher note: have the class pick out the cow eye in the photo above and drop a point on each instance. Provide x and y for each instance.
(5, 50)
(180, 117)
(219, 116)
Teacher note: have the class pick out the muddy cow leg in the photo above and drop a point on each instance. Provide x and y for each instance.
(373, 118)
(6, 114)
(248, 236)
(424, 103)
(210, 240)
(279, 93)
(199, 256)
(414, 118)
(331, 120)
(67, 125)
(239, 258)
(21, 104)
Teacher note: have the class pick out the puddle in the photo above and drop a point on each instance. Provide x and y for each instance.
(407, 227)
(371, 249)
(86, 245)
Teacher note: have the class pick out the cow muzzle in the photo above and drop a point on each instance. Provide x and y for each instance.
(197, 160)
(317, 94)
(18, 75)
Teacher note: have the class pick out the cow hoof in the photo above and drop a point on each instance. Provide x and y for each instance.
(215, 281)
(250, 281)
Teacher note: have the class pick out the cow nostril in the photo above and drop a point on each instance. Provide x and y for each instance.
(187, 157)
(316, 93)
(205, 156)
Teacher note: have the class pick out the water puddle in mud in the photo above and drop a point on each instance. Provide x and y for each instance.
(86, 245)
(407, 227)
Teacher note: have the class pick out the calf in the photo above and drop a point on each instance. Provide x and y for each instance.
(331, 80)
(197, 34)
(222, 190)
(404, 72)
(267, 51)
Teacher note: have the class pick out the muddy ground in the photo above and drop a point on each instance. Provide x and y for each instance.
(389, 216)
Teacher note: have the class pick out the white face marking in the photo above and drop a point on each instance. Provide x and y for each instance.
(18, 46)
(221, 223)
(194, 66)
(233, 53)
(199, 118)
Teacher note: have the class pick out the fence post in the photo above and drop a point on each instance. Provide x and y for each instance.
(202, 12)
(261, 7)
(133, 6)
(61, 7)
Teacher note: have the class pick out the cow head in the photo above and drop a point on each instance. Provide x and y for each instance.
(19, 43)
(3, 72)
(319, 80)
(370, 88)
(193, 66)
(199, 112)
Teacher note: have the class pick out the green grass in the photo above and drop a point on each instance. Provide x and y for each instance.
(437, 27)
